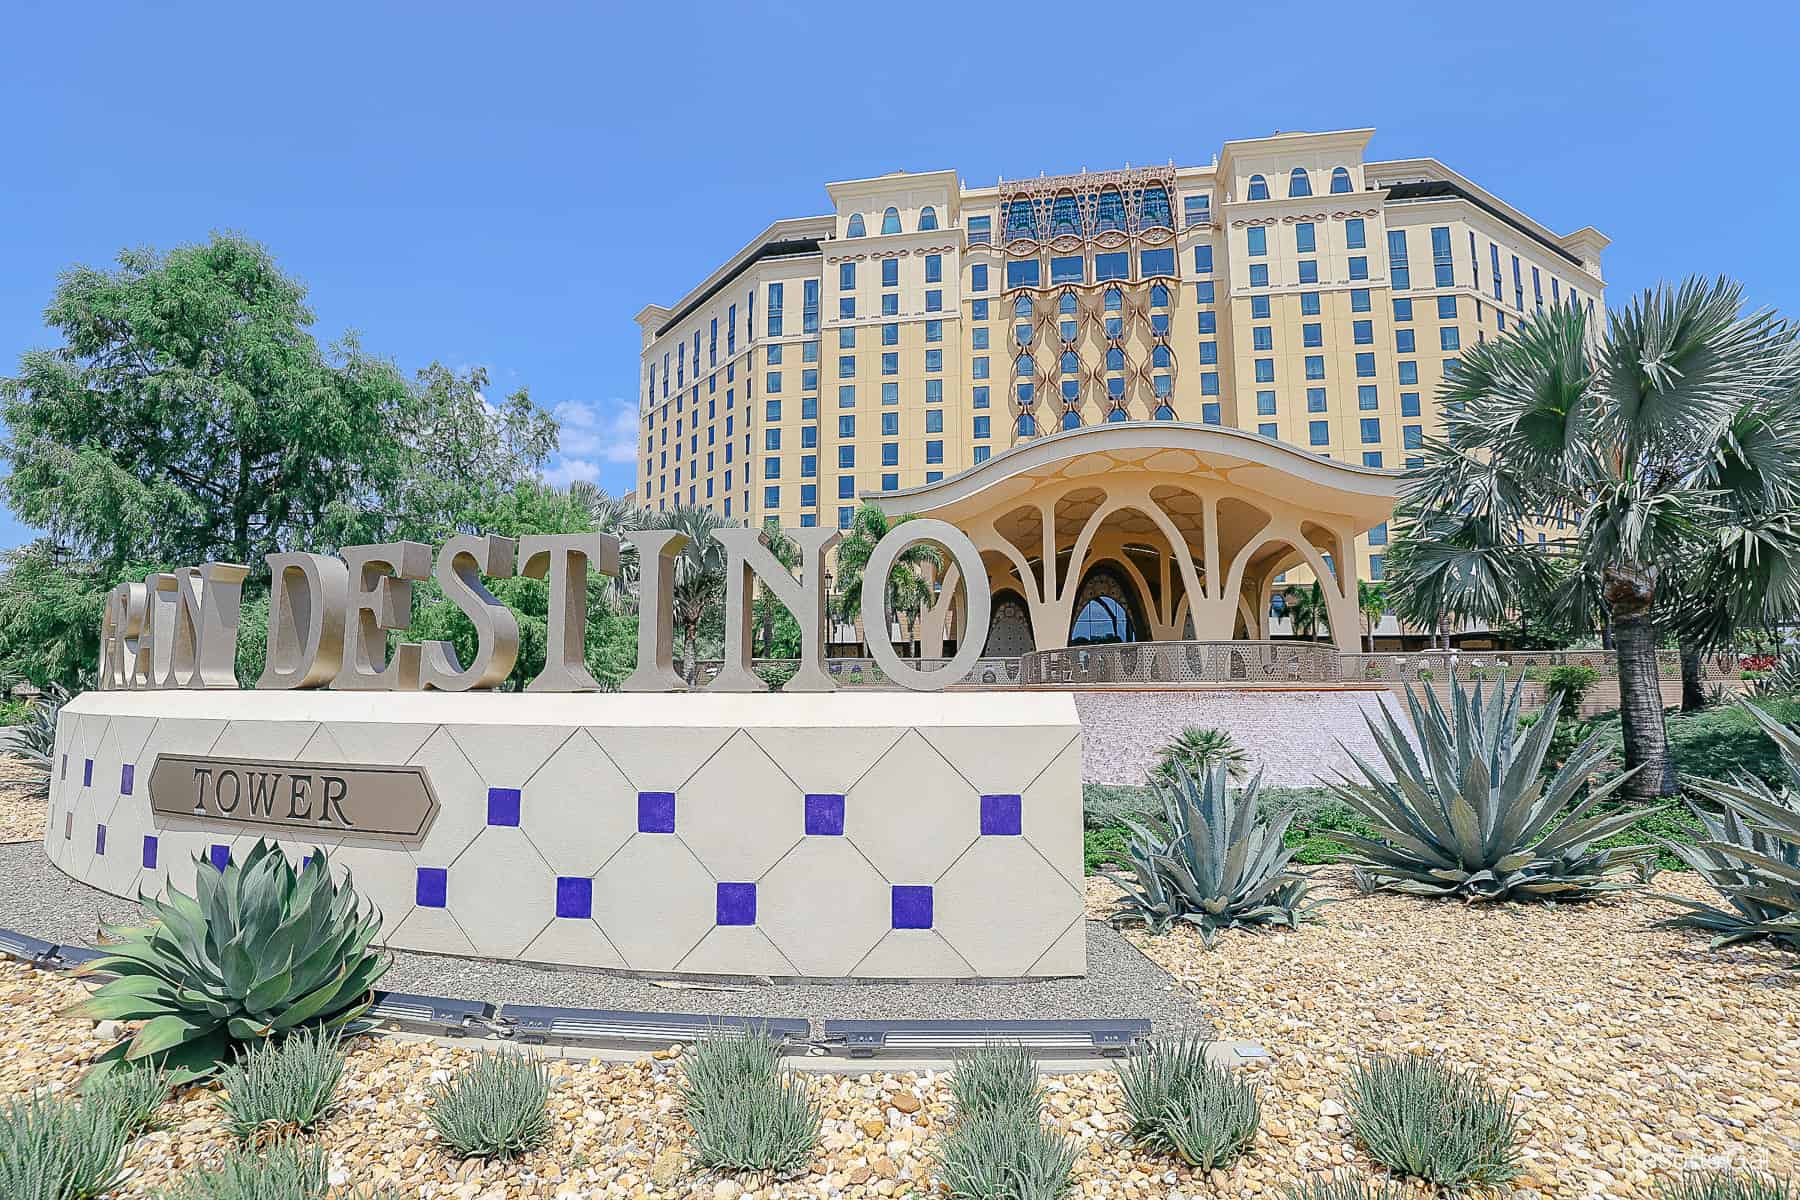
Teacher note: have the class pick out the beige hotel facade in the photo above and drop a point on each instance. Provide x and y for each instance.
(1292, 292)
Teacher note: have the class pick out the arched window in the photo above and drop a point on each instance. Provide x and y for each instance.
(1022, 306)
(927, 219)
(1114, 298)
(1065, 304)
(1159, 357)
(1115, 359)
(1022, 367)
(1071, 390)
(855, 228)
(1159, 295)
(1340, 180)
(890, 221)
(1019, 223)
(1109, 213)
(1027, 425)
(1065, 217)
(1071, 363)
(1155, 210)
(1299, 183)
(1115, 416)
(1164, 413)
(1259, 188)
(1071, 420)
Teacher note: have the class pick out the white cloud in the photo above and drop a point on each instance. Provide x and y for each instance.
(564, 471)
(607, 431)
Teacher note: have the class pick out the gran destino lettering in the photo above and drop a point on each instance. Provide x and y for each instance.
(329, 617)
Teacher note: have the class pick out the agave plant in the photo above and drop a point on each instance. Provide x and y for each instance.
(1749, 851)
(1468, 813)
(34, 738)
(1197, 750)
(1211, 862)
(258, 952)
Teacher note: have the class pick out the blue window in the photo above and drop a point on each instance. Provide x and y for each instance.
(1409, 404)
(1378, 535)
(855, 228)
(1027, 425)
(771, 411)
(1203, 261)
(1209, 383)
(934, 268)
(1022, 272)
(809, 494)
(927, 219)
(773, 382)
(890, 304)
(846, 487)
(1355, 235)
(1340, 180)
(1305, 240)
(1368, 396)
(1267, 429)
(890, 482)
(1204, 292)
(890, 221)
(846, 395)
(1312, 334)
(1209, 353)
(1443, 267)
(981, 426)
(978, 338)
(1259, 274)
(981, 456)
(771, 468)
(1446, 308)
(890, 272)
(1371, 458)
(1256, 239)
(1262, 337)
(1299, 184)
(1414, 435)
(934, 452)
(1359, 300)
(771, 439)
(934, 421)
(890, 424)
(1070, 268)
(847, 425)
(1403, 341)
(1371, 429)
(1362, 332)
(1309, 270)
(1359, 267)
(1208, 322)
(1116, 265)
(1070, 420)
(1209, 414)
(1398, 269)
(1315, 366)
(981, 230)
(978, 277)
(1449, 338)
(1265, 370)
(771, 497)
(846, 306)
(890, 454)
(1259, 188)
(1365, 366)
(1403, 308)
(1377, 568)
(1409, 373)
(934, 360)
(846, 516)
(1265, 404)
(1315, 399)
(1156, 262)
(979, 397)
(934, 331)
(1196, 210)
(1318, 433)
(846, 457)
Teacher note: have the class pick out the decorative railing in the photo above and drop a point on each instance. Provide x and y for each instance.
(867, 673)
(1441, 666)
(1183, 662)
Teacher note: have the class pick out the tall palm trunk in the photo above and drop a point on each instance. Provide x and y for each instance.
(1630, 594)
(690, 650)
(1693, 688)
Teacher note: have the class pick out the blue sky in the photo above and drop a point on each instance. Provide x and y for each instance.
(506, 185)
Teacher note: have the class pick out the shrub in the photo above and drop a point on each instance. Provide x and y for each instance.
(1728, 1185)
(34, 738)
(1420, 1117)
(776, 674)
(286, 1170)
(1211, 862)
(1749, 850)
(1006, 1154)
(1197, 751)
(1345, 1186)
(1573, 683)
(1781, 677)
(1178, 1102)
(1469, 816)
(995, 1078)
(1108, 805)
(497, 1107)
(284, 1087)
(258, 951)
(131, 1096)
(53, 1150)
(748, 1112)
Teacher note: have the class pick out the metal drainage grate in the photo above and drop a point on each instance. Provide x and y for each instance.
(26, 949)
(1050, 1039)
(536, 1023)
(433, 1014)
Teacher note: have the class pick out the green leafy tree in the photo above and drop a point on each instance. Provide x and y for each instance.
(909, 587)
(1666, 445)
(1307, 613)
(50, 606)
(1372, 603)
(699, 583)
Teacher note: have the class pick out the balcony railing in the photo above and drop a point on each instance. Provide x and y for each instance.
(1441, 666)
(1183, 662)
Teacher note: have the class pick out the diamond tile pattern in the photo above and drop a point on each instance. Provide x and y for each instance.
(927, 851)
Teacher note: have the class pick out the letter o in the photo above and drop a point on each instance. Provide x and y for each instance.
(970, 641)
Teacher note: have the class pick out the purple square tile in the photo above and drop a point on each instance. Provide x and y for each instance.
(574, 896)
(127, 776)
(219, 856)
(656, 812)
(1002, 816)
(737, 904)
(824, 814)
(912, 906)
(503, 806)
(99, 839)
(87, 772)
(150, 851)
(431, 887)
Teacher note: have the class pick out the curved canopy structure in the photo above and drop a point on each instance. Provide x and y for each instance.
(1173, 530)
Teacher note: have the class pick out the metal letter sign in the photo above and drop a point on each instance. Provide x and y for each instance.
(309, 799)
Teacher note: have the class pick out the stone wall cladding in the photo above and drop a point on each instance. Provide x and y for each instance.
(1294, 735)
(846, 836)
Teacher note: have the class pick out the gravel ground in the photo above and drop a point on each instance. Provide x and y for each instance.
(37, 899)
(21, 812)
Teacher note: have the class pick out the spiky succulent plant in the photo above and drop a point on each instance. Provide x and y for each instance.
(1211, 861)
(1469, 813)
(1749, 850)
(258, 951)
(1198, 749)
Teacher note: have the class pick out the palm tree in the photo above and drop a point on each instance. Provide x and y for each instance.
(1372, 602)
(1663, 449)
(1307, 613)
(617, 516)
(908, 589)
(788, 555)
(699, 582)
